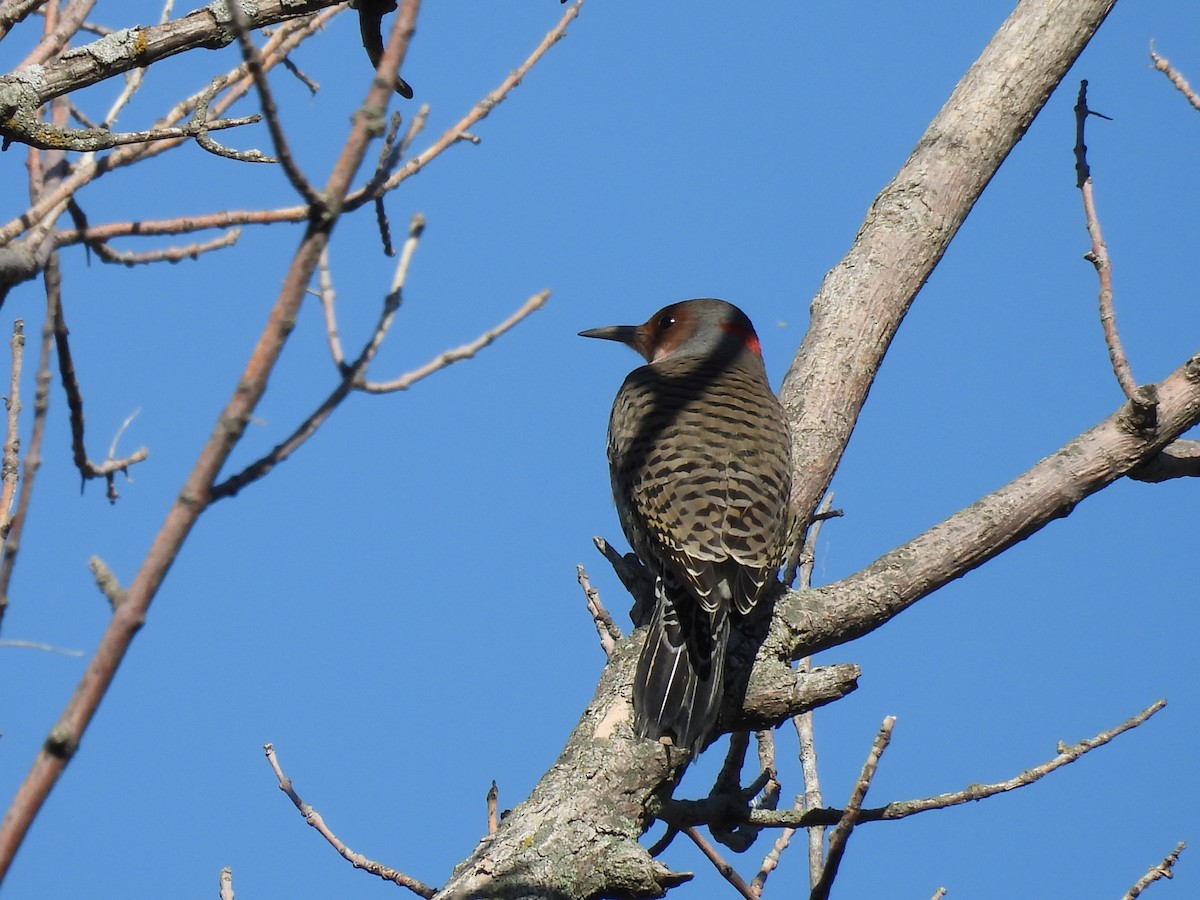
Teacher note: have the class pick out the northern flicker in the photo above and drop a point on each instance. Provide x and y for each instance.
(699, 456)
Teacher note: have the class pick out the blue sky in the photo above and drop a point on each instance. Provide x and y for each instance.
(395, 608)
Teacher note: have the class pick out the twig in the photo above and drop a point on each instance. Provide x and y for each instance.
(109, 586)
(938, 894)
(350, 376)
(314, 818)
(1155, 872)
(254, 65)
(804, 722)
(33, 455)
(200, 126)
(25, 128)
(727, 871)
(682, 813)
(1176, 77)
(225, 884)
(166, 254)
(457, 354)
(455, 133)
(66, 367)
(841, 832)
(10, 467)
(328, 296)
(493, 817)
(48, 648)
(605, 626)
(1098, 255)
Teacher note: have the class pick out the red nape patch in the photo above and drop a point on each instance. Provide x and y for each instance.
(745, 335)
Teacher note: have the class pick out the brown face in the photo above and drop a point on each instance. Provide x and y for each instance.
(665, 332)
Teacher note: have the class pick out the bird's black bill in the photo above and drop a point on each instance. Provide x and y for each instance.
(625, 334)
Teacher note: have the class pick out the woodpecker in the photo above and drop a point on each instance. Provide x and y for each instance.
(699, 456)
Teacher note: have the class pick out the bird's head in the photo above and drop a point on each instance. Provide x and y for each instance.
(691, 328)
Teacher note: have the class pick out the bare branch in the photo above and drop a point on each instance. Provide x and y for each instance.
(68, 22)
(193, 497)
(66, 366)
(493, 817)
(727, 871)
(166, 254)
(350, 377)
(328, 297)
(1098, 255)
(605, 626)
(807, 621)
(457, 354)
(13, 12)
(48, 648)
(254, 65)
(139, 47)
(33, 455)
(910, 224)
(109, 586)
(28, 129)
(457, 132)
(841, 833)
(10, 467)
(317, 821)
(681, 813)
(1176, 77)
(1160, 870)
(225, 884)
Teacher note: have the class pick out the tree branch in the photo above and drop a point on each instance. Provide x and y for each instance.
(317, 821)
(864, 298)
(194, 496)
(808, 621)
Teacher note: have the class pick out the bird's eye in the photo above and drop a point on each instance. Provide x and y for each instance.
(665, 322)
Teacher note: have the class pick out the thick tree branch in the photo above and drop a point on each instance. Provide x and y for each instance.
(808, 621)
(910, 224)
(135, 48)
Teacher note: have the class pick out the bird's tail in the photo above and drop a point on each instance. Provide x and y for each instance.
(681, 671)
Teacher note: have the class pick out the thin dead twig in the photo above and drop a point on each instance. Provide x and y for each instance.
(606, 628)
(254, 65)
(1176, 77)
(904, 808)
(37, 645)
(66, 367)
(841, 832)
(727, 871)
(457, 131)
(457, 354)
(811, 798)
(165, 254)
(317, 821)
(350, 375)
(10, 467)
(1098, 254)
(33, 455)
(1157, 871)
